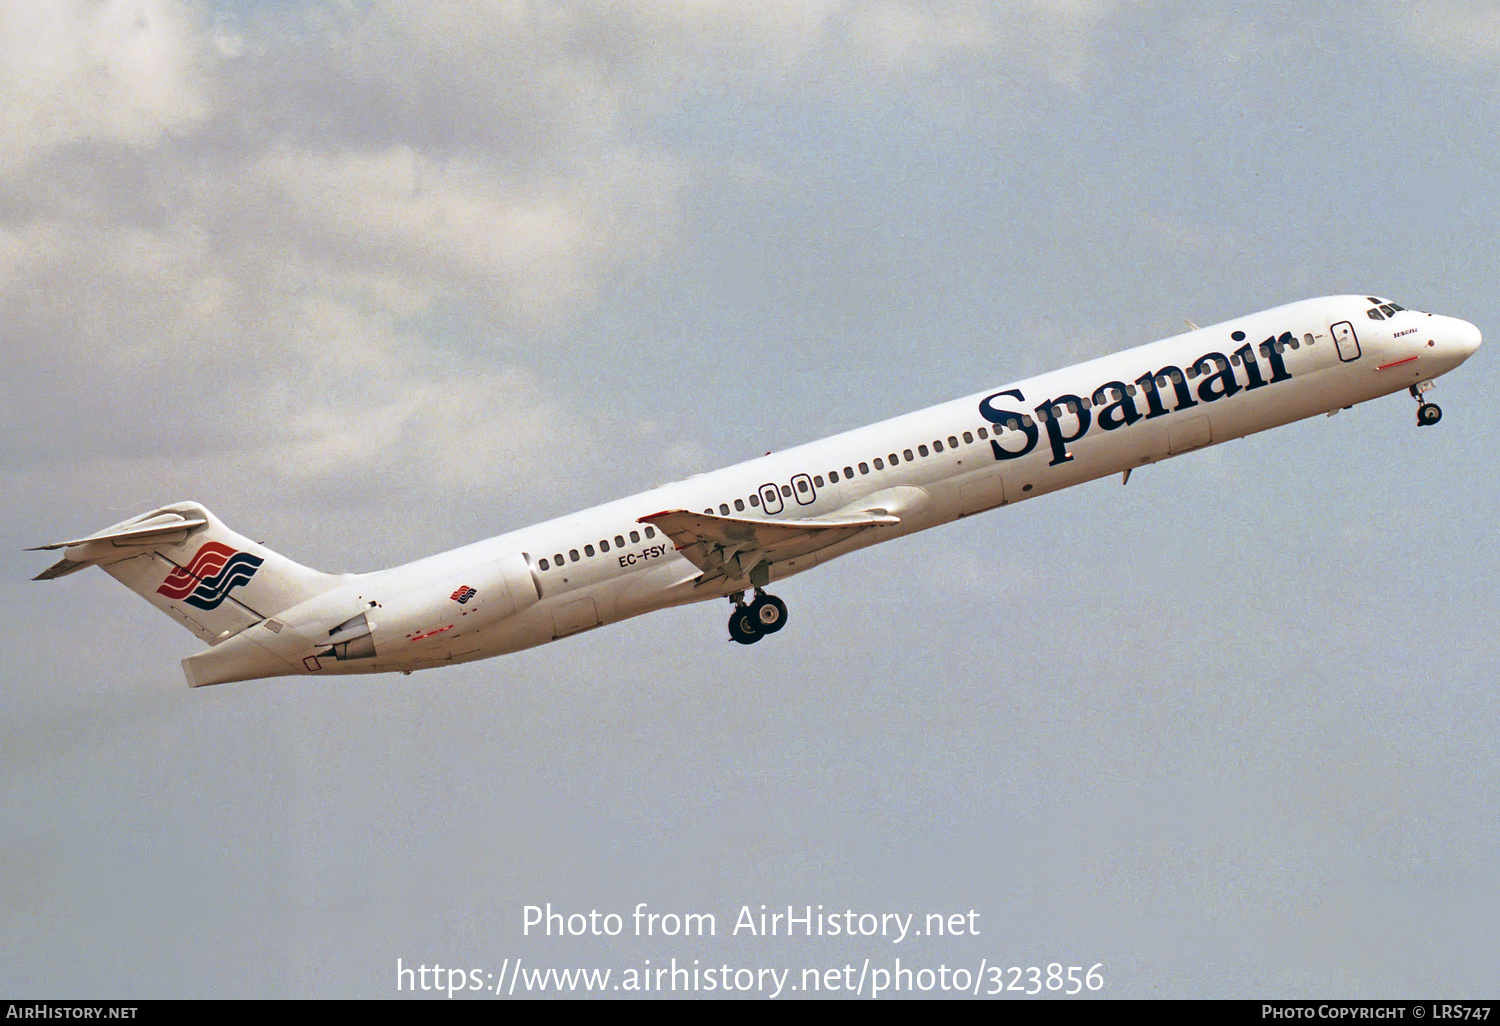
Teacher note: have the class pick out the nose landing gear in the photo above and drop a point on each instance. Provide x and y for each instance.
(749, 623)
(1427, 413)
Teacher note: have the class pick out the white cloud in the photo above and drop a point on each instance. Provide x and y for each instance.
(124, 70)
(772, 35)
(899, 34)
(318, 237)
(1462, 29)
(533, 244)
(491, 432)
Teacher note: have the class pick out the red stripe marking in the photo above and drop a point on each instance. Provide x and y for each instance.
(1397, 363)
(430, 634)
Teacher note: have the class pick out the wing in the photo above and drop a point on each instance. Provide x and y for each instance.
(742, 549)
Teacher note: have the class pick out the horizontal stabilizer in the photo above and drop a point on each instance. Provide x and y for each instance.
(185, 562)
(145, 532)
(62, 568)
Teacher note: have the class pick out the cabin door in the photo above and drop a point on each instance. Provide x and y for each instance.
(1345, 341)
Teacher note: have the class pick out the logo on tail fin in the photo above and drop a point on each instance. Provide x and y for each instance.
(214, 571)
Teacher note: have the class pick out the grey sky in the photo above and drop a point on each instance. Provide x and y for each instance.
(372, 281)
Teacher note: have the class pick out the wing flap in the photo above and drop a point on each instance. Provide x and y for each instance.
(735, 547)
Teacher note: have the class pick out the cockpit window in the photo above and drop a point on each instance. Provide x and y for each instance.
(1388, 309)
(1374, 314)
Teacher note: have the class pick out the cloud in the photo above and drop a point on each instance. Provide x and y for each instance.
(898, 34)
(317, 237)
(522, 248)
(125, 70)
(1461, 29)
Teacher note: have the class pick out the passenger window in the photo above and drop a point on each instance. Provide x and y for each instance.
(864, 468)
(937, 446)
(878, 464)
(786, 491)
(619, 541)
(922, 450)
(983, 433)
(635, 536)
(650, 532)
(724, 509)
(818, 481)
(833, 477)
(907, 454)
(573, 555)
(588, 550)
(802, 485)
(604, 545)
(558, 559)
(739, 505)
(968, 438)
(544, 564)
(848, 473)
(895, 460)
(1307, 339)
(755, 500)
(1026, 420)
(952, 442)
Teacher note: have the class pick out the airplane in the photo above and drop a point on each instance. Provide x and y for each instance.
(732, 532)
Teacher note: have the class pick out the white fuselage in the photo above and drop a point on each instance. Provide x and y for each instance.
(1015, 442)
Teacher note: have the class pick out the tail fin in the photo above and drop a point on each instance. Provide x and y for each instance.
(185, 562)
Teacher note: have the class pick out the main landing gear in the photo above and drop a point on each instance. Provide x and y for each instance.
(1428, 414)
(749, 623)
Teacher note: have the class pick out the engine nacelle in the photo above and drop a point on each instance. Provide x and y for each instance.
(405, 618)
(424, 621)
(393, 620)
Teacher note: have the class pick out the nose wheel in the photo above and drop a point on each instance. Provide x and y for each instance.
(1428, 413)
(751, 622)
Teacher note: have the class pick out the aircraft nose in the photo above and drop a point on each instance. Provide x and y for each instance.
(1466, 337)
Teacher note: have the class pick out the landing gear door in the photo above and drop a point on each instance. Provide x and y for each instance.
(1344, 341)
